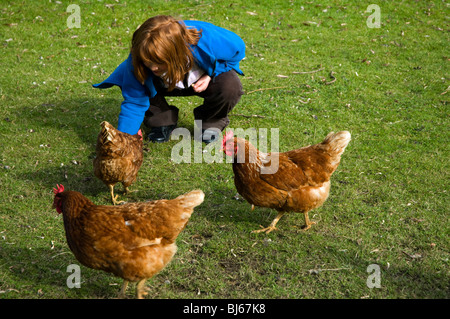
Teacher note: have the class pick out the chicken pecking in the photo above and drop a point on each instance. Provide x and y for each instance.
(118, 158)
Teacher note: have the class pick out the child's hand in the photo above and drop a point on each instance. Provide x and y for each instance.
(201, 84)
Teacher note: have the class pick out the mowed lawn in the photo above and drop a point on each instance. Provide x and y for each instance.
(310, 68)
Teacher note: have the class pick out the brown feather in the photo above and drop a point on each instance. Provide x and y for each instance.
(133, 241)
(119, 157)
(302, 181)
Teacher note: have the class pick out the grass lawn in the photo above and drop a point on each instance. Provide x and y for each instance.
(310, 68)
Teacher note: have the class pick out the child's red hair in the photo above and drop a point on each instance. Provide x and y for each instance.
(163, 40)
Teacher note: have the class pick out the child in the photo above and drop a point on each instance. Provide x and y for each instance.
(178, 58)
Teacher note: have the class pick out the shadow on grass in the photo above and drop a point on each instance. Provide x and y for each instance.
(81, 115)
(66, 161)
(55, 121)
(37, 272)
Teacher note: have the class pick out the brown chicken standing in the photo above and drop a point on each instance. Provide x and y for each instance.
(301, 182)
(118, 158)
(133, 241)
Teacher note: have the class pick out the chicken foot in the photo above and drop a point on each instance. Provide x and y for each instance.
(114, 198)
(141, 290)
(271, 226)
(308, 223)
(124, 289)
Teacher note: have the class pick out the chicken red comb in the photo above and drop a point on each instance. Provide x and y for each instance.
(227, 136)
(59, 189)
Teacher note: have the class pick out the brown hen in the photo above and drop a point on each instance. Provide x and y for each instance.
(133, 241)
(300, 181)
(118, 158)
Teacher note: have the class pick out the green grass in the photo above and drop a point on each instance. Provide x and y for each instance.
(388, 203)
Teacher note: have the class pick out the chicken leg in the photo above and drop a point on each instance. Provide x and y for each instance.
(308, 223)
(124, 289)
(114, 198)
(141, 290)
(271, 226)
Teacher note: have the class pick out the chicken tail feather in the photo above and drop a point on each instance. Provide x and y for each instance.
(191, 199)
(107, 132)
(336, 142)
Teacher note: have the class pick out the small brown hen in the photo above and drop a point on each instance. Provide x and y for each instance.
(133, 241)
(300, 182)
(118, 158)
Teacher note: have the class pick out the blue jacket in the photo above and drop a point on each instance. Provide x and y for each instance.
(218, 51)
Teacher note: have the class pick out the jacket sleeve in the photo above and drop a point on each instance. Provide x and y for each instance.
(135, 96)
(135, 102)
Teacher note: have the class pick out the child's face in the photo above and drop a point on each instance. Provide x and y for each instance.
(157, 69)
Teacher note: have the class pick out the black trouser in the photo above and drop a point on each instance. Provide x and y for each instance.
(222, 94)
